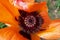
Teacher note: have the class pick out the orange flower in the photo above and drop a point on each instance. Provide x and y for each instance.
(29, 19)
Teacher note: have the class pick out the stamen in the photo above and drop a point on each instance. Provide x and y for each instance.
(30, 21)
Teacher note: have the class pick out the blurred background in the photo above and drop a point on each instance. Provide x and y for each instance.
(53, 8)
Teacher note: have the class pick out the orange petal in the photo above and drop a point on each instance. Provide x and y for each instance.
(10, 8)
(10, 34)
(6, 16)
(53, 32)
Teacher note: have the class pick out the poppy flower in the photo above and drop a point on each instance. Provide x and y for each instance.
(26, 21)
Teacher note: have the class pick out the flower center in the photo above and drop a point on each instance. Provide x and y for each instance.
(30, 21)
